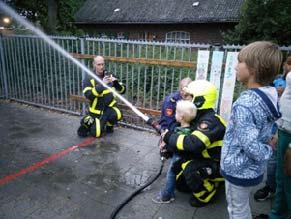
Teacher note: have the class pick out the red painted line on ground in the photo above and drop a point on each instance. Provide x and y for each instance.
(51, 158)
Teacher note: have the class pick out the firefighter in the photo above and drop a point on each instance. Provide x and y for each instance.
(103, 111)
(198, 170)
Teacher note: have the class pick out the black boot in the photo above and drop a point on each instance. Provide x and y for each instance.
(109, 129)
(194, 202)
(86, 122)
(82, 131)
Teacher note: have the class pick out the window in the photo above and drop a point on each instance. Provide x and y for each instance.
(148, 36)
(120, 36)
(178, 37)
(142, 36)
(104, 36)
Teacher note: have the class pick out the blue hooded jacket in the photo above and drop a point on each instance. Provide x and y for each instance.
(168, 120)
(245, 149)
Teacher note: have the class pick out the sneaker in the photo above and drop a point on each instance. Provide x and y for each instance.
(263, 193)
(159, 199)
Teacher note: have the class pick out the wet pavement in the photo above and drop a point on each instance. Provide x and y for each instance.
(47, 171)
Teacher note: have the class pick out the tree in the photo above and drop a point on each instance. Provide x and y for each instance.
(54, 16)
(263, 20)
(52, 9)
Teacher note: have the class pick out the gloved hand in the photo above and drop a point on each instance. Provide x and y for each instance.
(204, 172)
(165, 154)
(212, 170)
(106, 80)
(154, 124)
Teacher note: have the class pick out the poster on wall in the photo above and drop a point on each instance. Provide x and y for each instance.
(202, 64)
(228, 85)
(215, 73)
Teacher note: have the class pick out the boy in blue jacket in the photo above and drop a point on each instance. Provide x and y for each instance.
(167, 120)
(248, 141)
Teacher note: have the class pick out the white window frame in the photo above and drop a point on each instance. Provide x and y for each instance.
(178, 37)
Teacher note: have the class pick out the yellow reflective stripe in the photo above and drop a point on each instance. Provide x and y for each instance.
(109, 124)
(199, 194)
(216, 144)
(117, 112)
(94, 104)
(86, 89)
(207, 199)
(205, 153)
(95, 92)
(217, 179)
(177, 177)
(98, 112)
(113, 102)
(185, 164)
(92, 108)
(207, 185)
(221, 119)
(180, 142)
(98, 128)
(210, 189)
(107, 91)
(202, 137)
(122, 89)
(92, 81)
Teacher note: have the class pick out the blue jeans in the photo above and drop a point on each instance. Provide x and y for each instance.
(271, 171)
(169, 189)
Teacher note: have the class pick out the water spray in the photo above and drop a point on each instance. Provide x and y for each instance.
(53, 44)
(147, 119)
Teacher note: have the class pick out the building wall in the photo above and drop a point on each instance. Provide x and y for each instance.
(199, 33)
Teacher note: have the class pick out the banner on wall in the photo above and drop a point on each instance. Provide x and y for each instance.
(202, 64)
(228, 85)
(215, 73)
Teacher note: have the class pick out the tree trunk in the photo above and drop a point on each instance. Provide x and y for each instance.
(52, 16)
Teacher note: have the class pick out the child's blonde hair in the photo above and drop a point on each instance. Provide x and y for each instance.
(264, 59)
(187, 109)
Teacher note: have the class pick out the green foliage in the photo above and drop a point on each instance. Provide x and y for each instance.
(263, 20)
(37, 12)
(66, 13)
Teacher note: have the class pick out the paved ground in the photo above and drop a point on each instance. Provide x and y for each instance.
(46, 173)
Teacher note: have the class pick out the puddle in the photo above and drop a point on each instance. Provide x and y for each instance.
(134, 179)
(102, 180)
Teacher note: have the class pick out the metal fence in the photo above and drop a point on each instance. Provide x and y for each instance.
(33, 72)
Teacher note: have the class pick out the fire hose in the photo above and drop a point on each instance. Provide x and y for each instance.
(158, 129)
